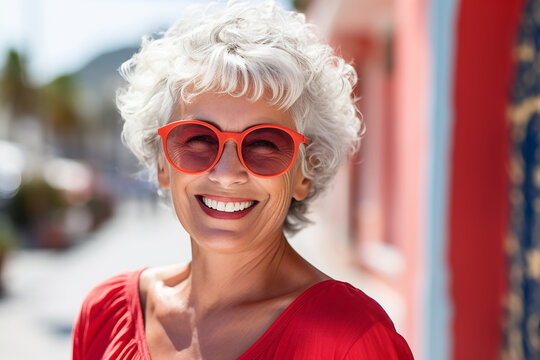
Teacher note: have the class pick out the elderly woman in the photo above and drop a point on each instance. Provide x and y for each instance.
(244, 117)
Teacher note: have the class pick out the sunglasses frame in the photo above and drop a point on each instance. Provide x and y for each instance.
(237, 137)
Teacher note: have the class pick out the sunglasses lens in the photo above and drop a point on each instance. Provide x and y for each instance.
(192, 147)
(268, 151)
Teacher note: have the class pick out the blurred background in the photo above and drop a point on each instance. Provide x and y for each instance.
(436, 217)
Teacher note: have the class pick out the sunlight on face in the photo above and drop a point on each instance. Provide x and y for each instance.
(228, 182)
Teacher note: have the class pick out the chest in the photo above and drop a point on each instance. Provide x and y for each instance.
(223, 335)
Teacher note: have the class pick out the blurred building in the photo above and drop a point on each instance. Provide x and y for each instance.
(428, 199)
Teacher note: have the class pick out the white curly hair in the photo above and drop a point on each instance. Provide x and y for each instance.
(257, 50)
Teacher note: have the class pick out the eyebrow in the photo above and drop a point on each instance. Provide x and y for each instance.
(208, 122)
(219, 128)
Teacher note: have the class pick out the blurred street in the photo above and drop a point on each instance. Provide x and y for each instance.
(44, 288)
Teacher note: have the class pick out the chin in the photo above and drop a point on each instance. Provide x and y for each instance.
(222, 241)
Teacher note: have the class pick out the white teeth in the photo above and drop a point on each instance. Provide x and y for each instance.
(226, 206)
(220, 206)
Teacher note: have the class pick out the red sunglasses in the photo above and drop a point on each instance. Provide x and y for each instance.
(193, 147)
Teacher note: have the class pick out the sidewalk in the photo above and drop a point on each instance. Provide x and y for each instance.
(45, 289)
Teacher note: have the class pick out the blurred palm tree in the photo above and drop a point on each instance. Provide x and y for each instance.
(16, 94)
(58, 109)
(53, 105)
(58, 105)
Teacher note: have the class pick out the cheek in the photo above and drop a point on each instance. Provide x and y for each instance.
(281, 193)
(180, 199)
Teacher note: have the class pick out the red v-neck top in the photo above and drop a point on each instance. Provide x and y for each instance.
(330, 320)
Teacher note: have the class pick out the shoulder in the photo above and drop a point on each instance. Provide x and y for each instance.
(379, 343)
(168, 275)
(107, 307)
(351, 323)
(107, 294)
(343, 304)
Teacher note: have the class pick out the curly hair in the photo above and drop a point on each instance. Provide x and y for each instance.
(252, 50)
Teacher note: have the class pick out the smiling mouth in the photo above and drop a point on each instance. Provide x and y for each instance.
(226, 206)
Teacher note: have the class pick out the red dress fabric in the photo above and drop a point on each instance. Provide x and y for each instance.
(330, 320)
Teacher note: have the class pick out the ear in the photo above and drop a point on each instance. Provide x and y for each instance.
(163, 175)
(301, 186)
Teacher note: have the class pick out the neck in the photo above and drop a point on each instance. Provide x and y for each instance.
(223, 279)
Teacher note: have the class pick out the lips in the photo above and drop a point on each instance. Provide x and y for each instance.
(224, 207)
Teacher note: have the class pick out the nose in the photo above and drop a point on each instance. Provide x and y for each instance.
(229, 170)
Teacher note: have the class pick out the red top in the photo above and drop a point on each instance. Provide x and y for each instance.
(330, 320)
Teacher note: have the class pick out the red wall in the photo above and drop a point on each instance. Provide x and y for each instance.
(479, 176)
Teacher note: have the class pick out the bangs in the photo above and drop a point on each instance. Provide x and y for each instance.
(270, 74)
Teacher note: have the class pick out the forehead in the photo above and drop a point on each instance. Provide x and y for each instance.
(230, 113)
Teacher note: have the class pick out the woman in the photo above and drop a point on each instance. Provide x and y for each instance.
(245, 118)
